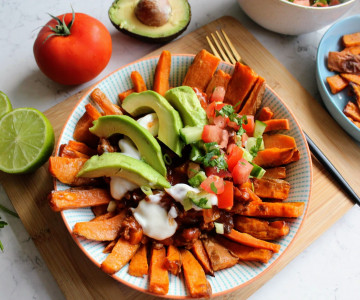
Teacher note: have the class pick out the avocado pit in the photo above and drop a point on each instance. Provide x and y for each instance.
(153, 12)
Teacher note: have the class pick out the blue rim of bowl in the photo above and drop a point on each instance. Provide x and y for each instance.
(317, 8)
(320, 80)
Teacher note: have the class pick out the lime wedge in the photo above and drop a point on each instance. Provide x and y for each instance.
(5, 104)
(26, 140)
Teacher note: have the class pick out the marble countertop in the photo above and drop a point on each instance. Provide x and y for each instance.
(328, 269)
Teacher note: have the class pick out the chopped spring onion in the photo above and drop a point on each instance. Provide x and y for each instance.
(219, 228)
(146, 190)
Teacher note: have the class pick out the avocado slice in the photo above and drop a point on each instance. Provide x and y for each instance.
(117, 164)
(170, 123)
(185, 101)
(147, 145)
(122, 16)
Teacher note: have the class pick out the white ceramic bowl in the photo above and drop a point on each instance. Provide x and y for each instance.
(299, 174)
(284, 17)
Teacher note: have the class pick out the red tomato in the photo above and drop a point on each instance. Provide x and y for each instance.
(220, 121)
(226, 198)
(241, 171)
(77, 57)
(213, 184)
(210, 110)
(215, 171)
(235, 155)
(213, 133)
(249, 126)
(218, 94)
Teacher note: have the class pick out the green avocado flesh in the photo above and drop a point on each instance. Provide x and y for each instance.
(146, 144)
(170, 122)
(122, 16)
(185, 101)
(117, 164)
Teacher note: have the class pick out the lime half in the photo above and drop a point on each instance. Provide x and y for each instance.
(26, 140)
(5, 104)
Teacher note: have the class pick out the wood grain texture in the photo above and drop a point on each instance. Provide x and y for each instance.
(76, 275)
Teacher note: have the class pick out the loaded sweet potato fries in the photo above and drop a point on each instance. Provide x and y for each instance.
(193, 188)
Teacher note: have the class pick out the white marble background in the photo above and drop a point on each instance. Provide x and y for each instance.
(328, 269)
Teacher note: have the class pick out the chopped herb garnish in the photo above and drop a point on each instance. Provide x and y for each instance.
(212, 157)
(213, 187)
(255, 149)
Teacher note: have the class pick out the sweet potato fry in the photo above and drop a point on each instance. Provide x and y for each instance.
(106, 105)
(220, 257)
(159, 277)
(355, 122)
(248, 240)
(76, 198)
(274, 157)
(162, 73)
(343, 62)
(120, 255)
(246, 194)
(81, 147)
(103, 230)
(139, 265)
(240, 85)
(201, 70)
(277, 172)
(82, 133)
(351, 77)
(201, 255)
(270, 209)
(65, 170)
(195, 278)
(173, 260)
(220, 78)
(261, 229)
(352, 111)
(253, 102)
(278, 141)
(110, 246)
(138, 82)
(105, 216)
(356, 90)
(123, 95)
(277, 189)
(351, 40)
(92, 111)
(277, 124)
(245, 253)
(265, 114)
(336, 83)
(294, 157)
(353, 50)
(67, 151)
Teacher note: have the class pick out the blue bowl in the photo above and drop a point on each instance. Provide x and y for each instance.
(331, 41)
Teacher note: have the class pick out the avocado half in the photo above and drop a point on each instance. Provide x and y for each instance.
(122, 16)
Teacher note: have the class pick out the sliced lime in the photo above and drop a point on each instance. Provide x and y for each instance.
(5, 104)
(26, 140)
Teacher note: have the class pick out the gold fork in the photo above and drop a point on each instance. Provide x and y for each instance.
(232, 56)
(227, 50)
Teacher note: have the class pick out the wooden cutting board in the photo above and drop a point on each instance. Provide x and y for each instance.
(78, 278)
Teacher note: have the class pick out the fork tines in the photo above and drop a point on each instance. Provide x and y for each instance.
(223, 46)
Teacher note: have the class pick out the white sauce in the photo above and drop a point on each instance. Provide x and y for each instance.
(128, 148)
(120, 186)
(180, 190)
(154, 220)
(150, 122)
(155, 198)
